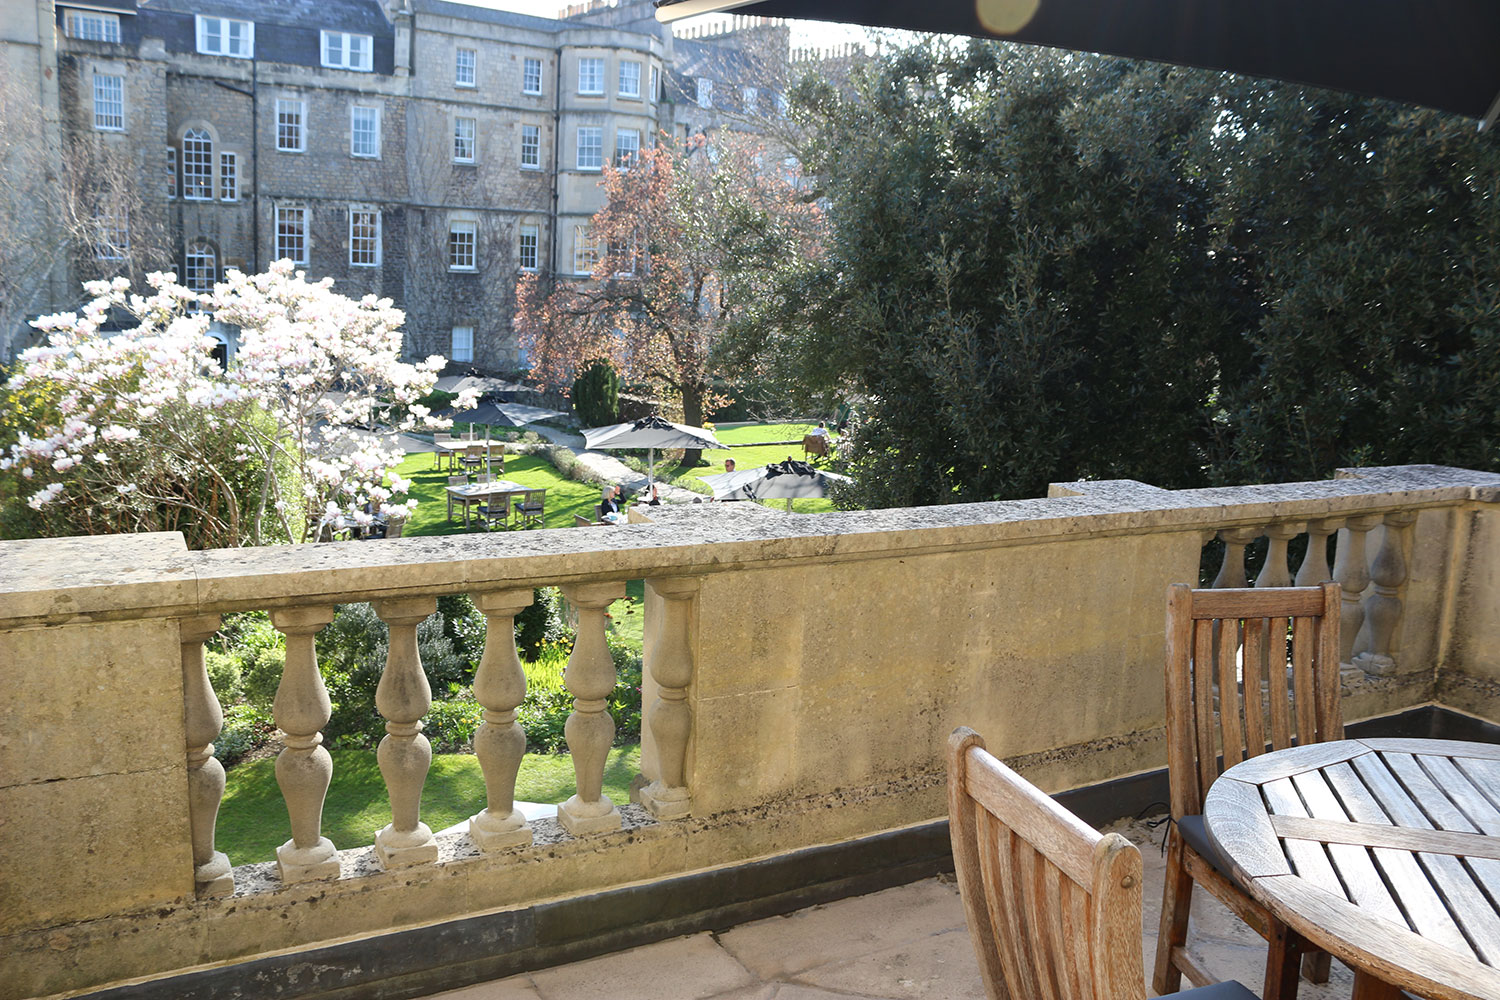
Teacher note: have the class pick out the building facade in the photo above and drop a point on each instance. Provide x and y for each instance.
(423, 150)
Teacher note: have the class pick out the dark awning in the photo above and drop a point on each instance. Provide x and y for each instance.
(1443, 54)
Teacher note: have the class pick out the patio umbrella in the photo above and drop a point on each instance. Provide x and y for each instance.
(1438, 53)
(650, 433)
(787, 481)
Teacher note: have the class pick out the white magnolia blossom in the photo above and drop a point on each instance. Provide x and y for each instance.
(314, 373)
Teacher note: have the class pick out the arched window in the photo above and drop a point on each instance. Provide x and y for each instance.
(197, 165)
(201, 266)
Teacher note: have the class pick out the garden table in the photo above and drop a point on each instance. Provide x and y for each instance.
(475, 493)
(1382, 852)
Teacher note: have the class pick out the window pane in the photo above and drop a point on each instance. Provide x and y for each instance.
(528, 248)
(531, 79)
(364, 131)
(585, 251)
(531, 145)
(463, 344)
(630, 79)
(289, 125)
(200, 266)
(197, 165)
(109, 102)
(291, 233)
(112, 239)
(591, 76)
(461, 246)
(590, 147)
(627, 147)
(463, 71)
(463, 139)
(229, 177)
(364, 237)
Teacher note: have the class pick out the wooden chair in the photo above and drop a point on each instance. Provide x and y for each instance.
(531, 509)
(473, 457)
(456, 481)
(1053, 906)
(1229, 698)
(438, 451)
(497, 509)
(814, 444)
(579, 521)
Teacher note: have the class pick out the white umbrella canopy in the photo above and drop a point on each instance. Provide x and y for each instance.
(650, 433)
(787, 481)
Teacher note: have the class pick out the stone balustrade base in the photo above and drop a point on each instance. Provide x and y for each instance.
(581, 818)
(666, 803)
(492, 834)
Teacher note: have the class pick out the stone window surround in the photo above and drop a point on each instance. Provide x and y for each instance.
(228, 45)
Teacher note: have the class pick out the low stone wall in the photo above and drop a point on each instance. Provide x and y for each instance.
(828, 658)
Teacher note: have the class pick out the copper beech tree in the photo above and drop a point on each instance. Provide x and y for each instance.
(677, 250)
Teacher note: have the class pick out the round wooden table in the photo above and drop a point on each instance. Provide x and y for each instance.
(1383, 852)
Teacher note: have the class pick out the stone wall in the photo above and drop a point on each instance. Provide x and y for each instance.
(827, 656)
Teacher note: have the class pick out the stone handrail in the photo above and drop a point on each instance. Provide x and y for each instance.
(801, 673)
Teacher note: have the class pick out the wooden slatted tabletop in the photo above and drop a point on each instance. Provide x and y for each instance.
(1384, 852)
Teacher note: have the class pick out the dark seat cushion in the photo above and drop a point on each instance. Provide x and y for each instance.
(1228, 990)
(1195, 835)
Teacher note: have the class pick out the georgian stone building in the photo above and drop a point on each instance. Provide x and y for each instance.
(424, 150)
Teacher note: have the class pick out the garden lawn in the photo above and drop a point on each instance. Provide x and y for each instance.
(253, 820)
(564, 496)
(750, 457)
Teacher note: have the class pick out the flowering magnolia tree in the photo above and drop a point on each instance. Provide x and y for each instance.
(682, 239)
(139, 429)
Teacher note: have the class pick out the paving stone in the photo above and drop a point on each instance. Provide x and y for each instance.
(687, 968)
(939, 967)
(796, 991)
(779, 947)
(515, 988)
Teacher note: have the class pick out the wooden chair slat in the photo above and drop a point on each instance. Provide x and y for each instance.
(1204, 751)
(966, 819)
(1258, 602)
(1181, 768)
(1326, 675)
(1076, 936)
(1033, 875)
(1304, 686)
(1226, 656)
(1276, 688)
(1254, 658)
(1066, 841)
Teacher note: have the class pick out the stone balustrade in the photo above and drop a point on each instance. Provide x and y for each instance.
(801, 674)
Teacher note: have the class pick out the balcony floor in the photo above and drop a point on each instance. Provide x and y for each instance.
(904, 943)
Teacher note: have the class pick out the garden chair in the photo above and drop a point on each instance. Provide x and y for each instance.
(1053, 906)
(814, 444)
(439, 452)
(473, 457)
(498, 509)
(1227, 678)
(455, 481)
(532, 509)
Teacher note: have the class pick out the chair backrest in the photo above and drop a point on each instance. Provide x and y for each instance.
(458, 480)
(484, 477)
(439, 437)
(1233, 644)
(579, 521)
(1053, 906)
(534, 499)
(474, 451)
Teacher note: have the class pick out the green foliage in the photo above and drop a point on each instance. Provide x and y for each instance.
(245, 729)
(451, 723)
(225, 676)
(542, 622)
(596, 395)
(1045, 267)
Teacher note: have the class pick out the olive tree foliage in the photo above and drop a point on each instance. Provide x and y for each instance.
(1046, 266)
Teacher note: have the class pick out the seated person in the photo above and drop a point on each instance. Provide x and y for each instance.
(820, 431)
(655, 500)
(609, 507)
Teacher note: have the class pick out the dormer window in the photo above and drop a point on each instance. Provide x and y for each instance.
(91, 26)
(341, 50)
(222, 36)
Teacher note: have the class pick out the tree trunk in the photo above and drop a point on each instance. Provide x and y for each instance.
(692, 415)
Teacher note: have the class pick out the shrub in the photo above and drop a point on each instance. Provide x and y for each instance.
(246, 728)
(224, 675)
(596, 395)
(544, 621)
(451, 724)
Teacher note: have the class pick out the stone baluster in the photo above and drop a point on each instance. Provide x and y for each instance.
(203, 719)
(500, 743)
(670, 662)
(404, 754)
(590, 730)
(1232, 571)
(1374, 645)
(303, 769)
(1351, 570)
(1274, 572)
(1314, 569)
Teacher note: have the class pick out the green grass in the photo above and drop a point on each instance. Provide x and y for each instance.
(253, 820)
(748, 458)
(565, 497)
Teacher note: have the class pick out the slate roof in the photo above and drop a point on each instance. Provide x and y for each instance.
(446, 8)
(360, 16)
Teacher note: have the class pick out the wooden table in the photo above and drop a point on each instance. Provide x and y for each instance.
(480, 492)
(1384, 852)
(455, 449)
